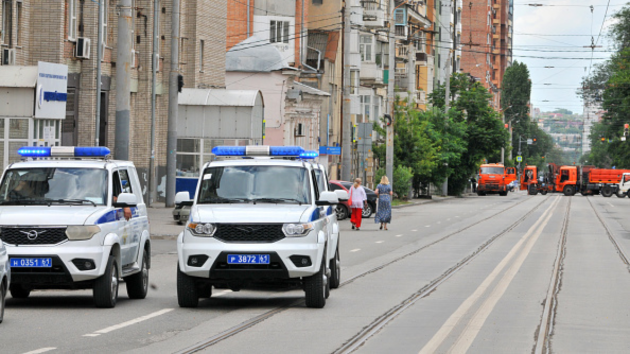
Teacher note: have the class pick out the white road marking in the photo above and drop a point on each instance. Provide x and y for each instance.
(433, 345)
(414, 230)
(130, 322)
(91, 335)
(448, 219)
(609, 203)
(457, 216)
(380, 241)
(355, 250)
(398, 235)
(428, 226)
(473, 327)
(42, 350)
(439, 222)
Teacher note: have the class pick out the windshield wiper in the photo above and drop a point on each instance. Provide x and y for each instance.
(277, 200)
(24, 201)
(70, 201)
(226, 200)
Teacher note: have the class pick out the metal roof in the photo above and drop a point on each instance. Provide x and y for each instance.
(218, 97)
(254, 55)
(18, 76)
(309, 90)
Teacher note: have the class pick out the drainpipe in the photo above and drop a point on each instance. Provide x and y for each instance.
(248, 7)
(302, 59)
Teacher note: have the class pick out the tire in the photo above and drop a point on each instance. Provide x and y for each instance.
(481, 194)
(204, 291)
(532, 190)
(341, 211)
(19, 292)
(3, 296)
(367, 211)
(503, 194)
(568, 191)
(138, 284)
(187, 292)
(607, 191)
(543, 192)
(335, 271)
(106, 287)
(620, 195)
(315, 288)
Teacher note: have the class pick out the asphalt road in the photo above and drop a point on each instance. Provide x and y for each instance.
(515, 274)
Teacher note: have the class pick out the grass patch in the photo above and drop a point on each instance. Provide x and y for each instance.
(397, 202)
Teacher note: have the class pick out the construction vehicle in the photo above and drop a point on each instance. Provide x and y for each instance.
(495, 178)
(559, 179)
(604, 181)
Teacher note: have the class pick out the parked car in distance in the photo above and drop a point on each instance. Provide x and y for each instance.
(371, 198)
(182, 211)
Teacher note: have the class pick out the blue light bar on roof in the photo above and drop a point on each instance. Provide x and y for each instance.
(258, 150)
(63, 151)
(309, 154)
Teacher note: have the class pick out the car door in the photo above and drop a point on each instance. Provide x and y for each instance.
(121, 184)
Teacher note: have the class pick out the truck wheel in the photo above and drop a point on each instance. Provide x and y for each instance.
(187, 293)
(19, 292)
(335, 271)
(620, 195)
(532, 190)
(106, 287)
(138, 284)
(607, 191)
(568, 191)
(481, 194)
(315, 288)
(543, 192)
(503, 194)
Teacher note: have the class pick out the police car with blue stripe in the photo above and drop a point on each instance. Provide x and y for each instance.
(259, 217)
(70, 218)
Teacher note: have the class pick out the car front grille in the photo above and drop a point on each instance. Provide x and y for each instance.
(241, 233)
(33, 235)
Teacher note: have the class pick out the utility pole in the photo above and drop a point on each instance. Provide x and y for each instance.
(171, 143)
(502, 147)
(389, 147)
(99, 54)
(447, 103)
(123, 81)
(346, 141)
(154, 60)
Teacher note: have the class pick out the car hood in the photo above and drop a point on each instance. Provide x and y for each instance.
(49, 216)
(249, 213)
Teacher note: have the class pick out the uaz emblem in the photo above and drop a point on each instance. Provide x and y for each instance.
(32, 235)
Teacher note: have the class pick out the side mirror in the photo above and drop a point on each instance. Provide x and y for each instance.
(182, 197)
(342, 195)
(125, 200)
(327, 198)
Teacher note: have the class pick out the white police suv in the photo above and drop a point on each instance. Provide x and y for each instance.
(72, 219)
(259, 218)
(5, 278)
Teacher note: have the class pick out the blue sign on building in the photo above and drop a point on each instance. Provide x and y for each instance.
(330, 150)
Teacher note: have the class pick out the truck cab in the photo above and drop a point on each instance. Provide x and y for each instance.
(493, 179)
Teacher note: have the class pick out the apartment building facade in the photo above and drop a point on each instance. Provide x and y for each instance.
(487, 38)
(65, 32)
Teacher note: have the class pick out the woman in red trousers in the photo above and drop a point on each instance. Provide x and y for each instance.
(358, 198)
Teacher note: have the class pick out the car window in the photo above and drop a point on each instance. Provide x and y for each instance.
(334, 187)
(125, 181)
(321, 180)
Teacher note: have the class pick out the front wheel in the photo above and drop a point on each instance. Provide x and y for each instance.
(3, 295)
(620, 194)
(607, 191)
(187, 291)
(503, 194)
(543, 192)
(335, 271)
(106, 287)
(568, 191)
(315, 288)
(138, 284)
(532, 190)
(367, 211)
(19, 292)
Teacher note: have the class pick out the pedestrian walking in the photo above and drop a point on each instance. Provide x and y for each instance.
(474, 184)
(358, 198)
(384, 210)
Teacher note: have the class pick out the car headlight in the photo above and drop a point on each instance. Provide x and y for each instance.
(293, 230)
(201, 229)
(76, 233)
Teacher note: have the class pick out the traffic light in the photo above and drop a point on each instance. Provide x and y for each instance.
(506, 125)
(625, 129)
(388, 119)
(534, 140)
(543, 157)
(602, 139)
(180, 82)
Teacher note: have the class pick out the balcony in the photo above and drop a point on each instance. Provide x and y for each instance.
(421, 58)
(402, 51)
(355, 104)
(354, 59)
(496, 21)
(371, 72)
(402, 32)
(356, 16)
(373, 14)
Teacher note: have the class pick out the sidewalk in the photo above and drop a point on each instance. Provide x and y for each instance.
(163, 227)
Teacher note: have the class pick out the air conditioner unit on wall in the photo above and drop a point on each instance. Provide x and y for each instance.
(82, 48)
(8, 56)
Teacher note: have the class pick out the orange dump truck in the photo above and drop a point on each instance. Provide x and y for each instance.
(559, 179)
(604, 181)
(495, 178)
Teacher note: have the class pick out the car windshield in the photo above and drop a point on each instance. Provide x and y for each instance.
(29, 186)
(492, 171)
(237, 184)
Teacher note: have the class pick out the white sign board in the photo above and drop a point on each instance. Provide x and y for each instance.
(52, 91)
(530, 141)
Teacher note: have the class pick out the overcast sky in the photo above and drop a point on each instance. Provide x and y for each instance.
(565, 18)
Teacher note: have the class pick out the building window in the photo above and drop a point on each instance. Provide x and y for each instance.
(201, 44)
(7, 22)
(72, 19)
(279, 31)
(18, 32)
(104, 27)
(365, 108)
(365, 48)
(318, 2)
(353, 82)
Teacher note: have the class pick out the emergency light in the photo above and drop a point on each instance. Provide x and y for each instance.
(258, 150)
(63, 151)
(309, 154)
